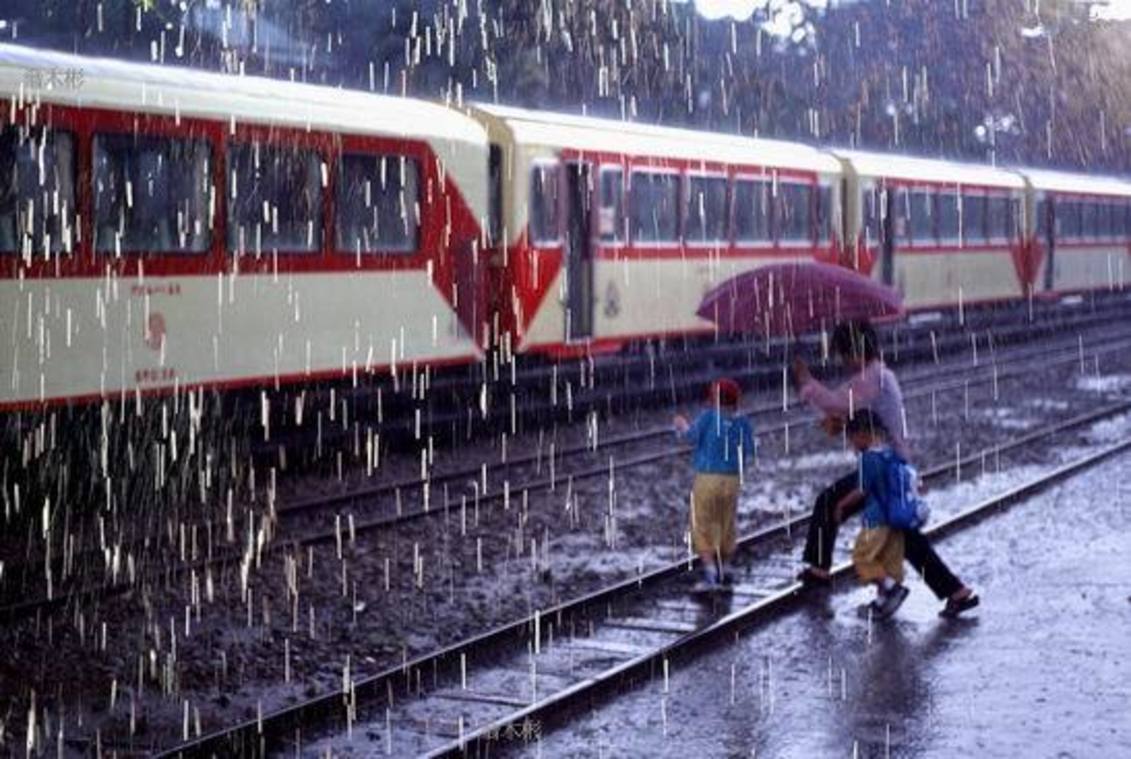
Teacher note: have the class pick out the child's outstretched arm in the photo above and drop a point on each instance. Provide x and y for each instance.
(848, 501)
(689, 432)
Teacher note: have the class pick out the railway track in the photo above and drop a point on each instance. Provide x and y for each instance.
(461, 700)
(503, 394)
(346, 526)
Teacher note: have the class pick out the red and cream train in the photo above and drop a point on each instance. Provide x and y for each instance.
(163, 228)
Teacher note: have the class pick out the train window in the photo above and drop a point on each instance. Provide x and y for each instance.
(544, 205)
(949, 218)
(901, 215)
(655, 207)
(825, 213)
(378, 204)
(706, 210)
(752, 204)
(151, 194)
(973, 218)
(1115, 211)
(871, 216)
(1042, 210)
(1103, 220)
(611, 212)
(1114, 220)
(37, 191)
(998, 226)
(1087, 220)
(1067, 220)
(274, 199)
(495, 201)
(923, 217)
(795, 216)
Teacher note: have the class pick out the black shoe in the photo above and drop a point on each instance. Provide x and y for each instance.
(728, 579)
(892, 600)
(955, 607)
(870, 610)
(811, 579)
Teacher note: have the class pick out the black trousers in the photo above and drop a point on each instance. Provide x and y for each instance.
(917, 549)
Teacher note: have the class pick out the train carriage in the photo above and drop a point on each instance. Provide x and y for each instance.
(942, 233)
(161, 227)
(611, 232)
(1081, 227)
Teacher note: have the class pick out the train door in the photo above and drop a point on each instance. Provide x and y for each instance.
(1046, 227)
(885, 199)
(578, 251)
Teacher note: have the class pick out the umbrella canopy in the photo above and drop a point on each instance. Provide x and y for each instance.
(789, 299)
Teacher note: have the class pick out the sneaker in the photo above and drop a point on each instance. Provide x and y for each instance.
(703, 586)
(810, 579)
(955, 607)
(892, 600)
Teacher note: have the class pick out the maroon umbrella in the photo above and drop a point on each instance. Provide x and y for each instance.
(793, 298)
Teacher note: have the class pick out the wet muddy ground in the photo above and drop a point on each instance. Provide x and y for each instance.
(139, 664)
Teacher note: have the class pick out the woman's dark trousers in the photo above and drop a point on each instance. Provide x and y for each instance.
(918, 551)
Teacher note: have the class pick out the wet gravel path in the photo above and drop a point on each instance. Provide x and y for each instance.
(1040, 669)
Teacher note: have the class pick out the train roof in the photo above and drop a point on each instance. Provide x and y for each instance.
(898, 166)
(1063, 181)
(559, 130)
(102, 82)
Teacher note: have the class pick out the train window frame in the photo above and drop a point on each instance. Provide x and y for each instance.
(67, 221)
(655, 171)
(317, 234)
(689, 179)
(540, 168)
(972, 199)
(825, 211)
(1041, 216)
(922, 236)
(117, 247)
(900, 195)
(1067, 220)
(769, 208)
(1102, 219)
(1087, 219)
(997, 234)
(872, 210)
(495, 224)
(807, 185)
(948, 216)
(616, 213)
(404, 162)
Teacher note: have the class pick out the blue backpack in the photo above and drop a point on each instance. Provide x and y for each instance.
(906, 510)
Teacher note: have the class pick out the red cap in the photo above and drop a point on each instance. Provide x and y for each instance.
(725, 392)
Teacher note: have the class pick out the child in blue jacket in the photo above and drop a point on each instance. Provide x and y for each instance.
(878, 552)
(723, 441)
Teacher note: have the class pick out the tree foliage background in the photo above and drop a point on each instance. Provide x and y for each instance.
(1015, 81)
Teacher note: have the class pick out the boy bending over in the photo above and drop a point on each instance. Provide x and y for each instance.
(878, 552)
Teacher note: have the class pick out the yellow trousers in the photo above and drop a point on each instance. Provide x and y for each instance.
(714, 501)
(878, 553)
